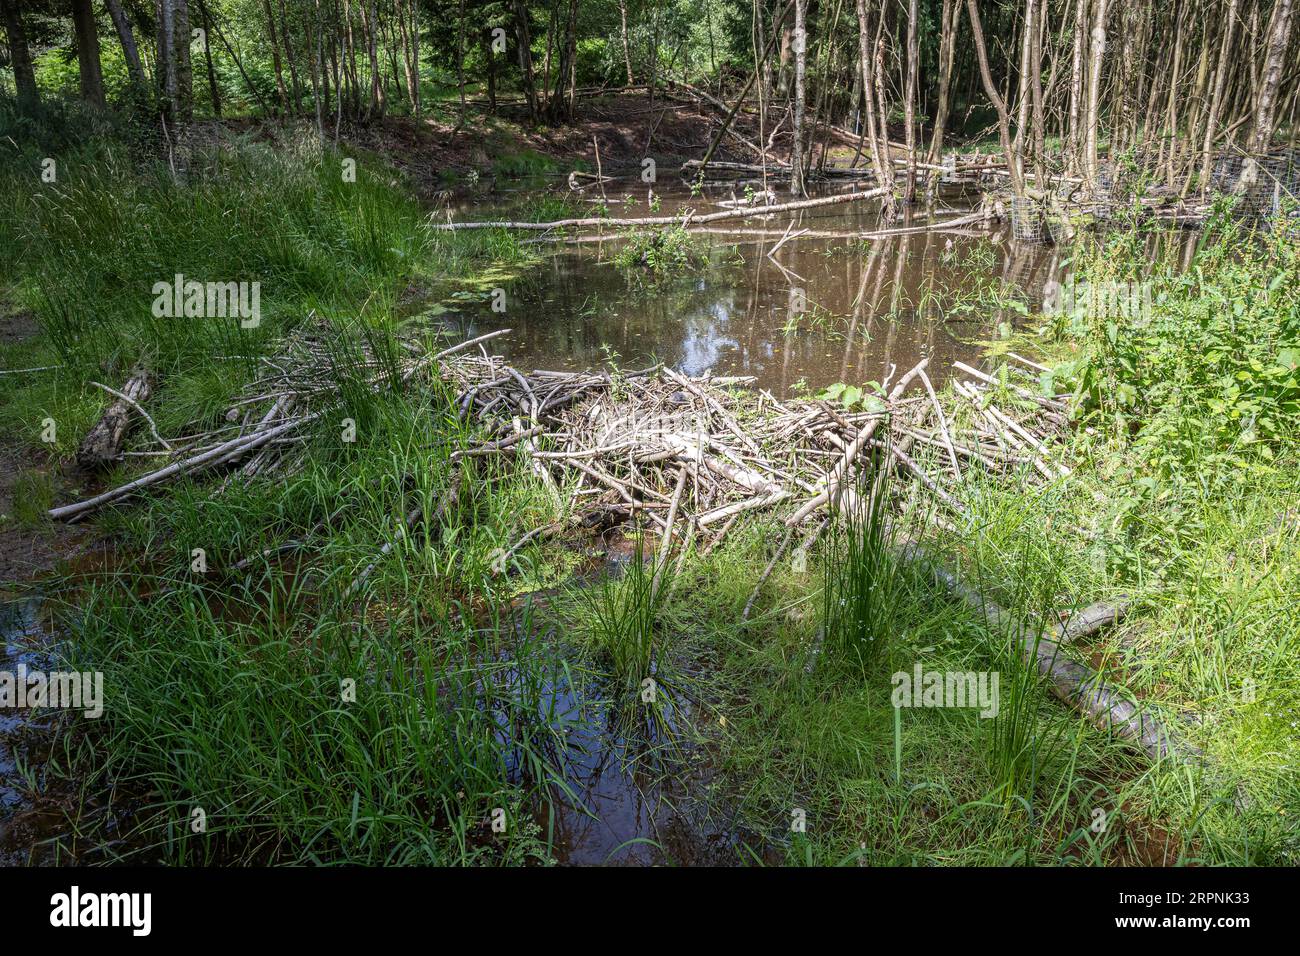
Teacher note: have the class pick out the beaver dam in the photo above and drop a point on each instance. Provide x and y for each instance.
(675, 465)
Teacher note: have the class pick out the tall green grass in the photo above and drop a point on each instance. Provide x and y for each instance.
(308, 720)
(84, 252)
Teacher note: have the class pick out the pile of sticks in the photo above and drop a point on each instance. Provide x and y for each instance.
(268, 424)
(695, 453)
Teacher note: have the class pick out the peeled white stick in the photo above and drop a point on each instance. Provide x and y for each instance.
(680, 220)
(855, 448)
(236, 446)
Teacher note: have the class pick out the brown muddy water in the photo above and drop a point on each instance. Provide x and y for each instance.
(829, 307)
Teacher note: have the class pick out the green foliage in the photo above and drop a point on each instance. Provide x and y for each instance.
(867, 398)
(663, 252)
(862, 583)
(1205, 380)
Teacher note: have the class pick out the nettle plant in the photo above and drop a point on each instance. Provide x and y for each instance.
(1209, 378)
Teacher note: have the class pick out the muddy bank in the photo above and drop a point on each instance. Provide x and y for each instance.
(625, 127)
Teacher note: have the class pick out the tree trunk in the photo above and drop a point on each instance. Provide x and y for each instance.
(371, 27)
(884, 175)
(165, 72)
(999, 104)
(627, 50)
(460, 64)
(273, 35)
(1074, 148)
(1261, 136)
(947, 47)
(800, 64)
(1216, 97)
(213, 90)
(181, 59)
(571, 61)
(20, 57)
(127, 38)
(1038, 135)
(87, 37)
(491, 61)
(909, 99)
(524, 40)
(408, 66)
(287, 42)
(1097, 51)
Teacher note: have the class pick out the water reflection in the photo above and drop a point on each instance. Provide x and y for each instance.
(829, 306)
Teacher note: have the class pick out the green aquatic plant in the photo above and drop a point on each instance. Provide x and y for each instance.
(662, 252)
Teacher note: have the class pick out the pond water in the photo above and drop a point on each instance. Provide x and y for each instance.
(829, 306)
(24, 736)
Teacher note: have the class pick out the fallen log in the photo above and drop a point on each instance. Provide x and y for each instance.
(685, 219)
(103, 443)
(1075, 684)
(1092, 619)
(224, 452)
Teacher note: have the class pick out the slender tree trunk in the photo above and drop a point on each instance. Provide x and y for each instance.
(884, 175)
(1261, 136)
(947, 46)
(491, 60)
(408, 63)
(126, 37)
(181, 57)
(571, 61)
(999, 104)
(415, 55)
(800, 64)
(627, 49)
(524, 40)
(551, 26)
(286, 40)
(1097, 52)
(909, 98)
(275, 55)
(378, 100)
(1074, 148)
(213, 91)
(1216, 97)
(166, 69)
(318, 78)
(1038, 137)
(460, 63)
